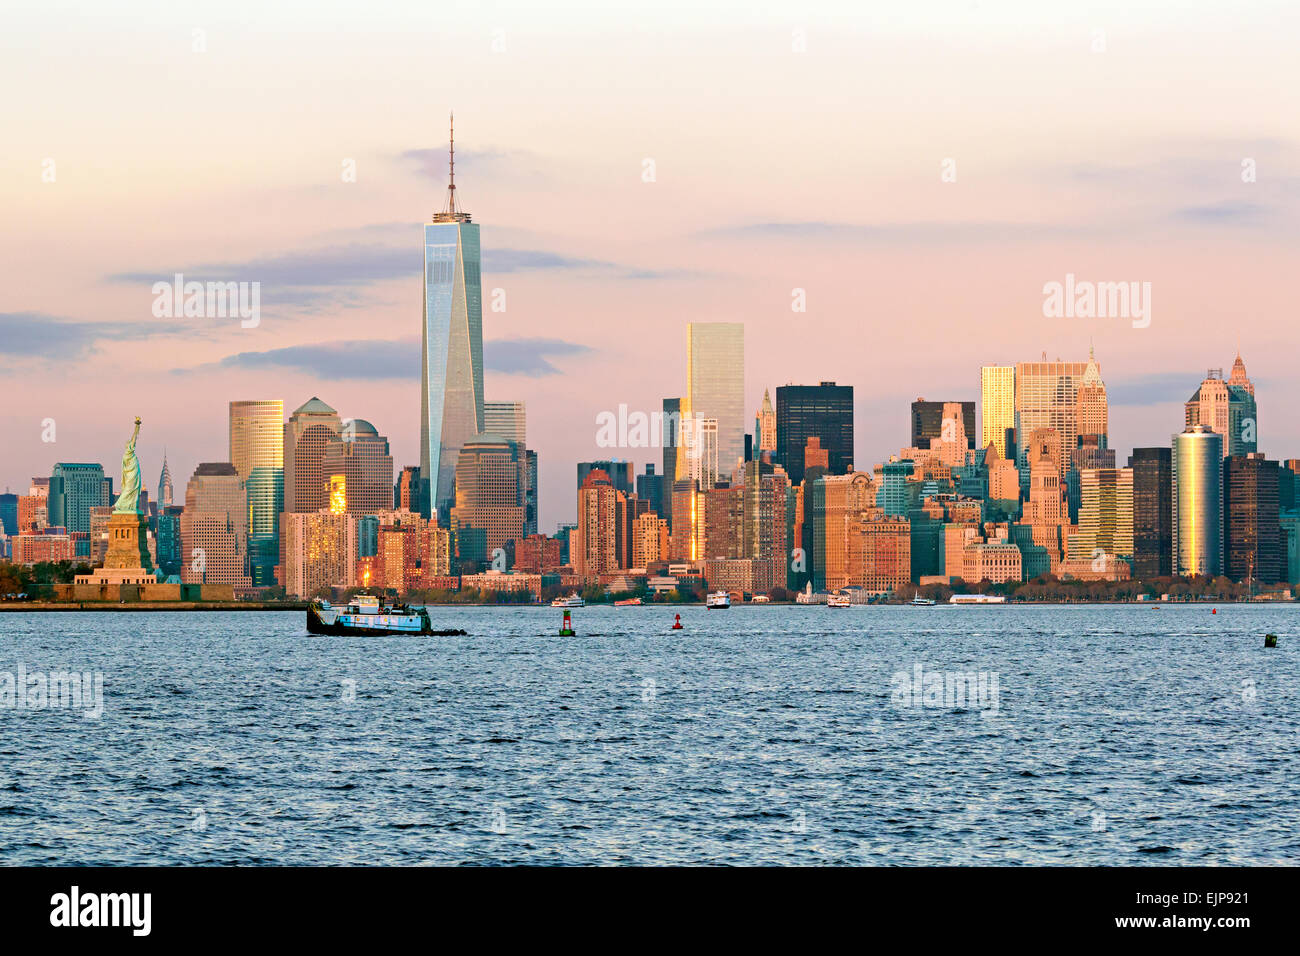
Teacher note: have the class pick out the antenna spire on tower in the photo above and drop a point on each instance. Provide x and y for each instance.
(451, 212)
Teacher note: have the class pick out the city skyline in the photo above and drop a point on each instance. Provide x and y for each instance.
(945, 260)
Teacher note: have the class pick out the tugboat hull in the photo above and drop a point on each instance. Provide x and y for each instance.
(335, 623)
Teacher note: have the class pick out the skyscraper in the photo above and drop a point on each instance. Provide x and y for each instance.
(214, 527)
(1048, 395)
(765, 426)
(822, 411)
(451, 377)
(1105, 514)
(312, 428)
(257, 452)
(672, 438)
(1252, 532)
(715, 385)
(362, 457)
(166, 492)
(489, 509)
(593, 547)
(998, 408)
(617, 471)
(75, 488)
(507, 419)
(927, 422)
(1227, 408)
(1197, 480)
(1152, 512)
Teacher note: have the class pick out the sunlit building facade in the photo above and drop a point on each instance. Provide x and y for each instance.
(1197, 506)
(715, 385)
(257, 452)
(998, 408)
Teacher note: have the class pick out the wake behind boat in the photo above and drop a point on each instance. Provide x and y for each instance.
(364, 616)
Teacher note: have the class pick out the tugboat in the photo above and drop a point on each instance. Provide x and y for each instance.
(720, 600)
(573, 600)
(363, 615)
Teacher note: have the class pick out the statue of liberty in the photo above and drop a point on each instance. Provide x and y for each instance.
(128, 502)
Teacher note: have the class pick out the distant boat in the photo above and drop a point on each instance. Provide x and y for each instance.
(628, 602)
(760, 599)
(919, 601)
(977, 599)
(573, 600)
(718, 599)
(838, 600)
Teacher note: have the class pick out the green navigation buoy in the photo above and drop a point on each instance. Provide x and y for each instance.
(1270, 640)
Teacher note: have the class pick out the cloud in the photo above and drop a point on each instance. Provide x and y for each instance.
(383, 360)
(1226, 213)
(43, 336)
(336, 274)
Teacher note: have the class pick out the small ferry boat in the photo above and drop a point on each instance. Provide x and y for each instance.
(760, 599)
(573, 600)
(919, 601)
(718, 599)
(977, 599)
(364, 615)
(838, 600)
(628, 602)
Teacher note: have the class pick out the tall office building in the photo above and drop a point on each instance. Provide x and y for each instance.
(507, 419)
(9, 513)
(1152, 512)
(75, 488)
(1197, 505)
(593, 547)
(451, 376)
(1048, 395)
(1252, 531)
(257, 452)
(672, 438)
(927, 422)
(701, 445)
(361, 456)
(166, 492)
(311, 429)
(998, 409)
(822, 411)
(530, 492)
(320, 552)
(489, 508)
(656, 490)
(1105, 514)
(715, 385)
(214, 527)
(1228, 408)
(765, 426)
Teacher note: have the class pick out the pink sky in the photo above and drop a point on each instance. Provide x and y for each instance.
(775, 170)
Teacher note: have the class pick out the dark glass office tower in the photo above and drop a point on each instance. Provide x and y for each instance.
(927, 422)
(1252, 531)
(657, 490)
(1152, 514)
(824, 411)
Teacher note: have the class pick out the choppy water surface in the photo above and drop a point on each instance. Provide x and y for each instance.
(1122, 735)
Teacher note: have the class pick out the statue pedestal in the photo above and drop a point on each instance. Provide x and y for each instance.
(127, 560)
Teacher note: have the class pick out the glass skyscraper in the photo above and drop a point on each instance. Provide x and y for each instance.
(451, 381)
(257, 452)
(715, 386)
(1197, 466)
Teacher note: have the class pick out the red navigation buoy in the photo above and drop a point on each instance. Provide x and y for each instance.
(677, 625)
(1214, 610)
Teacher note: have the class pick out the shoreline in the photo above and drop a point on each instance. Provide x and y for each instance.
(18, 607)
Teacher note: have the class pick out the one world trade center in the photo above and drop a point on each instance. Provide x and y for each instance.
(451, 382)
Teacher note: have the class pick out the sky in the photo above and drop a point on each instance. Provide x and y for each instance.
(920, 171)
